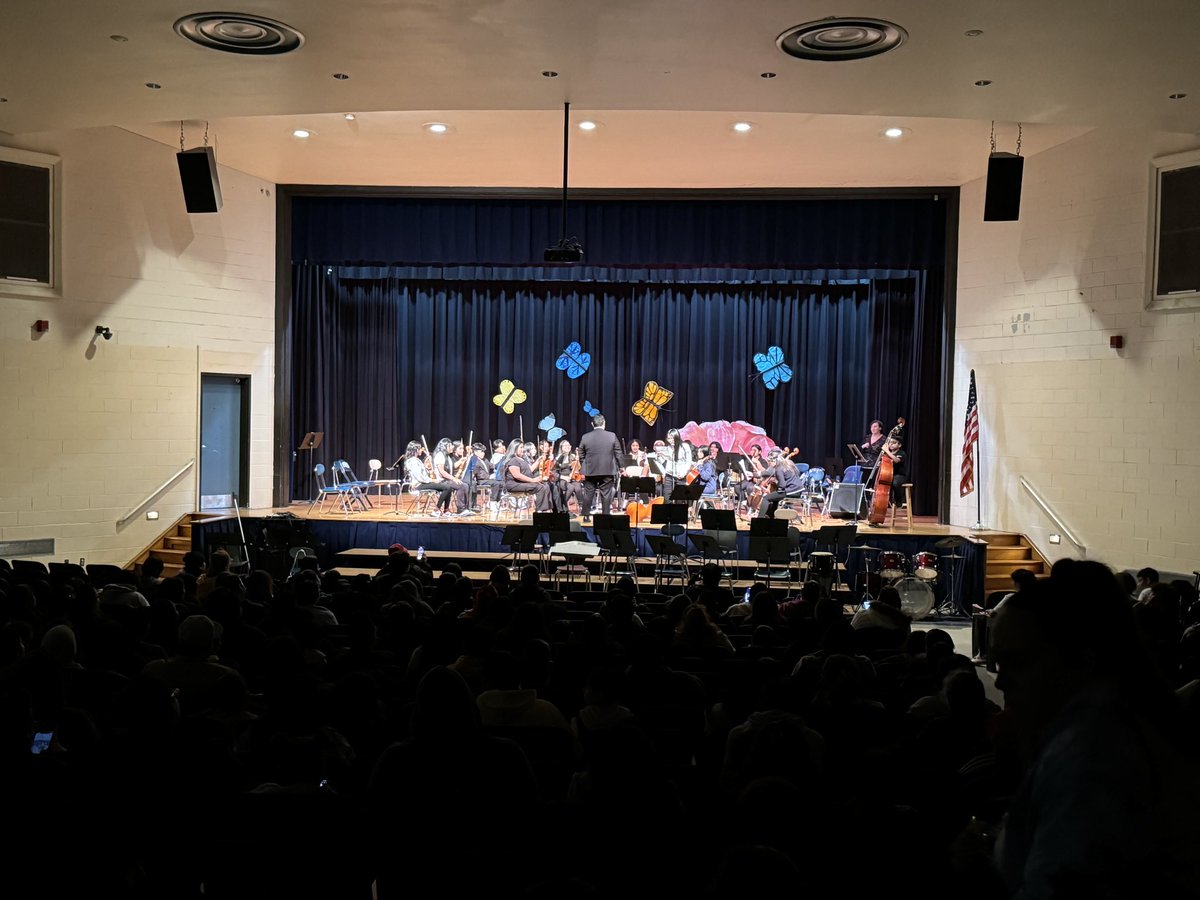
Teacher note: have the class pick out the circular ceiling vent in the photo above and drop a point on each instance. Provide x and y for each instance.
(835, 39)
(239, 33)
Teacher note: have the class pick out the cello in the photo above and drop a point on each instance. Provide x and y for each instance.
(883, 479)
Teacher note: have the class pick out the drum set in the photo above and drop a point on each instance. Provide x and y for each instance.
(914, 577)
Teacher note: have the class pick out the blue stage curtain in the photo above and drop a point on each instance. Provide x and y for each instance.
(406, 315)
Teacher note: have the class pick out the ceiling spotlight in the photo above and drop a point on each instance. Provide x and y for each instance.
(974, 32)
(153, 86)
(301, 133)
(587, 125)
(893, 132)
(742, 127)
(119, 38)
(983, 82)
(104, 331)
(1176, 96)
(349, 117)
(766, 75)
(436, 127)
(549, 74)
(340, 76)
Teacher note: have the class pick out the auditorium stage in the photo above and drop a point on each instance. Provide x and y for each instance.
(475, 542)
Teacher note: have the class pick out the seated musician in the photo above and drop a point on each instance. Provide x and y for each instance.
(787, 481)
(520, 479)
(443, 470)
(479, 473)
(894, 449)
(420, 477)
(753, 469)
(640, 467)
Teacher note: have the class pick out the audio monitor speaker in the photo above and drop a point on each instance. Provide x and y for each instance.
(198, 175)
(1002, 196)
(844, 500)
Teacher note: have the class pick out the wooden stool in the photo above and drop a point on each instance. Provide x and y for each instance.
(907, 509)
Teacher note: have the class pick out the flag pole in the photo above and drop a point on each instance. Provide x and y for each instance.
(978, 526)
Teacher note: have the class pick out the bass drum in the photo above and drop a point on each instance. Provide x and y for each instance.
(916, 597)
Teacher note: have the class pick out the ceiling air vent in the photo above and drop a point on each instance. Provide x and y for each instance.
(239, 33)
(836, 39)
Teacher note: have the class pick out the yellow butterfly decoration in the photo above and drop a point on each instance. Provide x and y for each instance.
(508, 398)
(653, 398)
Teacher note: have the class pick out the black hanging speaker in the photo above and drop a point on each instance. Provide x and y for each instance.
(1002, 196)
(198, 175)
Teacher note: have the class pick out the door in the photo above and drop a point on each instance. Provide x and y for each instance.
(225, 436)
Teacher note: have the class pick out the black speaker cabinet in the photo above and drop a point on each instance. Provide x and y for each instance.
(1002, 196)
(198, 175)
(844, 500)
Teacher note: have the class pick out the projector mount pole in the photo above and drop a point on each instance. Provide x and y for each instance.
(566, 143)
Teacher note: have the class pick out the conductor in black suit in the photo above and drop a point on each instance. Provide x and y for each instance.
(599, 461)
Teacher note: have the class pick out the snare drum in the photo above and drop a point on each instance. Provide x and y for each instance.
(891, 564)
(820, 565)
(925, 565)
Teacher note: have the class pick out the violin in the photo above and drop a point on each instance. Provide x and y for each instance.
(883, 480)
(576, 472)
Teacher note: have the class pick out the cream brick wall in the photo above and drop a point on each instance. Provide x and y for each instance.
(1111, 439)
(92, 426)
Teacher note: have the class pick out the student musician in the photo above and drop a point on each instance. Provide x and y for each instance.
(676, 460)
(564, 469)
(421, 478)
(443, 470)
(788, 482)
(519, 477)
(721, 460)
(710, 477)
(498, 453)
(751, 473)
(894, 449)
(478, 473)
(640, 467)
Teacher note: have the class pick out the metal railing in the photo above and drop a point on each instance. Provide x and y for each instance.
(153, 495)
(1051, 514)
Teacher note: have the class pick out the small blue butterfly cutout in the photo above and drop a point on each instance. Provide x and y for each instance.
(553, 432)
(574, 361)
(589, 409)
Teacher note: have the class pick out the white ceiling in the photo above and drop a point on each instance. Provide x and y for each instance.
(665, 78)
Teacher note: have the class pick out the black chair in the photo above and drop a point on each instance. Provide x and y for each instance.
(62, 572)
(104, 574)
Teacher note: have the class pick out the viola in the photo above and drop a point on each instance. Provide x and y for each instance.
(640, 512)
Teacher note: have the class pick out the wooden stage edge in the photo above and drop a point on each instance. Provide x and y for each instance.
(383, 512)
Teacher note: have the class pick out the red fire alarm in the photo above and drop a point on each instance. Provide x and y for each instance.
(41, 326)
(1116, 342)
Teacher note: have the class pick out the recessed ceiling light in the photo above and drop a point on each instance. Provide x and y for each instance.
(1176, 96)
(893, 132)
(983, 82)
(119, 38)
(587, 125)
(742, 127)
(153, 86)
(974, 32)
(436, 127)
(349, 117)
(301, 133)
(340, 76)
(766, 75)
(549, 74)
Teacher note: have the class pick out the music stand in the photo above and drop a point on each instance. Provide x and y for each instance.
(520, 540)
(665, 549)
(768, 550)
(550, 524)
(773, 528)
(950, 604)
(637, 484)
(616, 544)
(856, 452)
(723, 523)
(310, 442)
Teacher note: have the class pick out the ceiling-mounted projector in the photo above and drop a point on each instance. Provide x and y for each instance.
(568, 250)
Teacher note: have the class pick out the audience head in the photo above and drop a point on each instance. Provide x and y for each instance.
(1146, 577)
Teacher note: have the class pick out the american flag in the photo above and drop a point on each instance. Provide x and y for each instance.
(966, 481)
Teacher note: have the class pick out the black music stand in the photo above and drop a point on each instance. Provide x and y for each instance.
(768, 551)
(310, 442)
(637, 485)
(520, 540)
(723, 525)
(613, 546)
(550, 524)
(774, 528)
(665, 551)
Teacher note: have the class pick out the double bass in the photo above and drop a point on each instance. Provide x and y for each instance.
(883, 479)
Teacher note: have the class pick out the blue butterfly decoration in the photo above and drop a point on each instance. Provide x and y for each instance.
(770, 365)
(574, 361)
(553, 432)
(589, 409)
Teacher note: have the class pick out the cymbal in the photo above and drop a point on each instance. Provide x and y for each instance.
(952, 556)
(864, 547)
(949, 543)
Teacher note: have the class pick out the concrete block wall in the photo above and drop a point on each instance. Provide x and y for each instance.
(1110, 438)
(90, 426)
